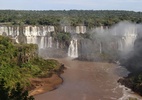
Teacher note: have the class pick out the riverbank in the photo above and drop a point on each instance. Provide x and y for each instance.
(42, 85)
(86, 81)
(46, 83)
(133, 84)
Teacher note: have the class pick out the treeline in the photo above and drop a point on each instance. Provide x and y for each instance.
(89, 18)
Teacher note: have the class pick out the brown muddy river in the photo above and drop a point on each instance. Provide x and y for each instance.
(86, 81)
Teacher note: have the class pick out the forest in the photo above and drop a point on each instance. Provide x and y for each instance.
(19, 63)
(88, 18)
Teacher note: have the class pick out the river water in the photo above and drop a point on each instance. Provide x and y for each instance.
(86, 81)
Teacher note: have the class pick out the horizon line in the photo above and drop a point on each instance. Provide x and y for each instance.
(70, 10)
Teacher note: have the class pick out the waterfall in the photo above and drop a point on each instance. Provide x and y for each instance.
(73, 49)
(126, 43)
(50, 42)
(41, 45)
(57, 44)
(130, 37)
(38, 35)
(16, 39)
(80, 29)
(120, 45)
(100, 48)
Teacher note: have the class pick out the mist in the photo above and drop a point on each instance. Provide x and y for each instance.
(124, 41)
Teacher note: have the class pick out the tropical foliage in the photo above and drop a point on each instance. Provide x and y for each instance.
(89, 18)
(18, 63)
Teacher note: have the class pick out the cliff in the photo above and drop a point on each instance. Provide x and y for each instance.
(76, 41)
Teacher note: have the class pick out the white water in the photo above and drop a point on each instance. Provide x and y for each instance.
(100, 48)
(50, 42)
(73, 49)
(57, 44)
(126, 42)
(81, 29)
(127, 93)
(42, 43)
(130, 37)
(121, 44)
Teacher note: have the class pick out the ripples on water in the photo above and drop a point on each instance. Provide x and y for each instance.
(88, 81)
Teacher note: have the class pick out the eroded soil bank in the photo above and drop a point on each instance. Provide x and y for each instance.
(42, 85)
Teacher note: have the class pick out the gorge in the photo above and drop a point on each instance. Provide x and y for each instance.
(99, 44)
(99, 41)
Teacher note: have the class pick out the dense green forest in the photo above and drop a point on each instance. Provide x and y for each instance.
(89, 18)
(19, 63)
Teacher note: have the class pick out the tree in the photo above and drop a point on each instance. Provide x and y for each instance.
(17, 93)
(4, 92)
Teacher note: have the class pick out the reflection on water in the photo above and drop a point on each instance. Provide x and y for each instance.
(86, 81)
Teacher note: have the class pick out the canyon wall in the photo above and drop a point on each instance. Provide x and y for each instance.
(104, 42)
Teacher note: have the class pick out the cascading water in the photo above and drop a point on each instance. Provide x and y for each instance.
(100, 48)
(42, 44)
(130, 35)
(73, 49)
(50, 42)
(38, 35)
(57, 44)
(121, 44)
(16, 39)
(126, 43)
(81, 29)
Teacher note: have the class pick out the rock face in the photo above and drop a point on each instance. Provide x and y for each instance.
(40, 35)
(80, 29)
(127, 40)
(33, 34)
(108, 44)
(105, 41)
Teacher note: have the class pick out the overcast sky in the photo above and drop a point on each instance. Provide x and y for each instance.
(134, 5)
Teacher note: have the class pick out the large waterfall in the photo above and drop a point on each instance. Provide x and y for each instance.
(73, 49)
(126, 42)
(50, 42)
(100, 42)
(39, 35)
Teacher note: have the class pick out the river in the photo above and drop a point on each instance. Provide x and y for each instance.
(88, 81)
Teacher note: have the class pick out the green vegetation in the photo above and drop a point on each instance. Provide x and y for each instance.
(16, 93)
(133, 98)
(134, 82)
(63, 38)
(89, 18)
(19, 63)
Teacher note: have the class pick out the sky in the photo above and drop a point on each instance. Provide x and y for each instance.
(131, 5)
